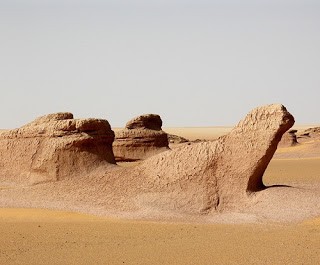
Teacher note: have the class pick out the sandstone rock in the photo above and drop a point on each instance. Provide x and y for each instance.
(147, 121)
(198, 179)
(175, 139)
(212, 176)
(54, 147)
(311, 133)
(289, 139)
(141, 138)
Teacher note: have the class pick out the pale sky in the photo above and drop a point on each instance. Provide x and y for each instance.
(196, 63)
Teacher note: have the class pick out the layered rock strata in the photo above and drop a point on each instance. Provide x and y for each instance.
(53, 147)
(313, 133)
(141, 138)
(176, 139)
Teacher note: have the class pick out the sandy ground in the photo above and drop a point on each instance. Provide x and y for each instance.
(30, 236)
(194, 133)
(35, 236)
(212, 133)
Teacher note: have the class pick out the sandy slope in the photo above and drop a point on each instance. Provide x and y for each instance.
(30, 236)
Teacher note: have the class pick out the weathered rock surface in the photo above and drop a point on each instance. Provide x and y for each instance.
(141, 138)
(208, 176)
(146, 121)
(196, 180)
(53, 147)
(310, 133)
(176, 139)
(289, 139)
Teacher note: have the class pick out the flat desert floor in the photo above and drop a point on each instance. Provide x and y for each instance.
(39, 236)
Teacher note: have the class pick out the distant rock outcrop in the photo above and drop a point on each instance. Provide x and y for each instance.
(141, 138)
(176, 139)
(289, 139)
(53, 147)
(310, 133)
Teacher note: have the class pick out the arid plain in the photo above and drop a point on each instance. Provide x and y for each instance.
(42, 236)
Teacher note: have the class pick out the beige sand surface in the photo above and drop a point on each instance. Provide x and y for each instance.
(301, 126)
(194, 133)
(211, 133)
(34, 236)
(291, 171)
(44, 237)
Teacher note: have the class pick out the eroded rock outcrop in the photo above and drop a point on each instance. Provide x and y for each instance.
(176, 139)
(141, 138)
(310, 133)
(214, 175)
(289, 139)
(53, 147)
(191, 181)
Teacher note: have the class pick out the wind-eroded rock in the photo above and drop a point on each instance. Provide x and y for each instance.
(199, 178)
(313, 133)
(141, 138)
(289, 139)
(214, 175)
(53, 147)
(176, 139)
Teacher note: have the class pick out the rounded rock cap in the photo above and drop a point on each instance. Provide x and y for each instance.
(146, 121)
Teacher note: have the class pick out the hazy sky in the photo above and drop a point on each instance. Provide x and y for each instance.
(196, 63)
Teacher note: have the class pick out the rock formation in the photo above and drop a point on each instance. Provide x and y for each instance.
(310, 133)
(208, 176)
(194, 180)
(141, 138)
(289, 139)
(175, 139)
(53, 147)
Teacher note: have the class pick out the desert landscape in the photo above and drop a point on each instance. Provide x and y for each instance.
(76, 191)
(166, 132)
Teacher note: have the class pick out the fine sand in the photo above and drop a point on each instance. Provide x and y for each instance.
(39, 236)
(195, 133)
(212, 133)
(45, 237)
